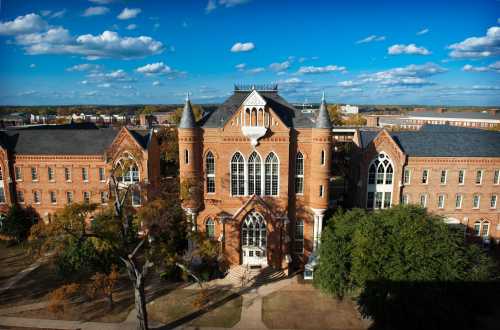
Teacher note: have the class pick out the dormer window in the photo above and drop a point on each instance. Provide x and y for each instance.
(255, 117)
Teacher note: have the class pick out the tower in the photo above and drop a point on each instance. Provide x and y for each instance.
(189, 162)
(320, 164)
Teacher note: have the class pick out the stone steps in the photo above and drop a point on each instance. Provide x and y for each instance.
(246, 276)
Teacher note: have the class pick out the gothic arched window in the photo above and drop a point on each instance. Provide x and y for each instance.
(299, 173)
(380, 182)
(254, 174)
(210, 228)
(237, 175)
(271, 169)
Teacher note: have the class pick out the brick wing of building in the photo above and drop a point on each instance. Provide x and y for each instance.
(48, 167)
(452, 171)
(265, 169)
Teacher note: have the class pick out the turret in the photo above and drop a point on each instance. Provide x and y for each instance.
(321, 158)
(189, 159)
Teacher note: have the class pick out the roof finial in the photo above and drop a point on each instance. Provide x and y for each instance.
(253, 87)
(323, 97)
(187, 96)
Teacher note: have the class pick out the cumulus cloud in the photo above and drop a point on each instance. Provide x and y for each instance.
(371, 38)
(409, 76)
(494, 67)
(240, 67)
(410, 49)
(95, 11)
(131, 27)
(349, 84)
(117, 76)
(109, 44)
(278, 67)
(58, 14)
(422, 32)
(213, 4)
(154, 68)
(242, 47)
(478, 47)
(129, 13)
(83, 67)
(321, 69)
(29, 23)
(256, 70)
(101, 2)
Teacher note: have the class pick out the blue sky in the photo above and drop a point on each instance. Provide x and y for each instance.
(138, 51)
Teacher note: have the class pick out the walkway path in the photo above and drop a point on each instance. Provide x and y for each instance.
(22, 274)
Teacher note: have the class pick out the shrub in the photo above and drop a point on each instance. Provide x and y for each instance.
(17, 223)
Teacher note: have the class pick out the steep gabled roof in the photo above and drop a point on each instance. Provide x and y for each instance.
(291, 116)
(443, 141)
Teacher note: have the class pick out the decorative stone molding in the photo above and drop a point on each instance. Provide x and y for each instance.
(254, 133)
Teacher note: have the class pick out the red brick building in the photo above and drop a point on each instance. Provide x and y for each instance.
(452, 171)
(265, 169)
(48, 167)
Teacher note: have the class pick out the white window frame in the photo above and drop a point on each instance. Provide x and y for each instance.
(463, 177)
(70, 197)
(238, 174)
(53, 201)
(104, 197)
(274, 168)
(407, 171)
(474, 206)
(210, 223)
(445, 177)
(85, 193)
(480, 178)
(37, 195)
(427, 175)
(405, 199)
(20, 193)
(441, 201)
(51, 174)
(85, 174)
(210, 177)
(496, 177)
(425, 200)
(298, 239)
(34, 174)
(67, 174)
(18, 173)
(384, 187)
(102, 174)
(299, 173)
(493, 198)
(461, 201)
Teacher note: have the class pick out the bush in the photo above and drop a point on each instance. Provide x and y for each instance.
(17, 223)
(408, 268)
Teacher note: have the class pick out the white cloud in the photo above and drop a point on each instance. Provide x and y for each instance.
(105, 85)
(131, 27)
(494, 67)
(321, 69)
(256, 70)
(242, 47)
(83, 67)
(486, 88)
(240, 67)
(156, 83)
(29, 23)
(422, 32)
(117, 76)
(32, 65)
(129, 13)
(101, 2)
(409, 76)
(278, 67)
(154, 68)
(95, 11)
(45, 12)
(58, 14)
(371, 38)
(106, 45)
(349, 84)
(211, 6)
(478, 47)
(410, 49)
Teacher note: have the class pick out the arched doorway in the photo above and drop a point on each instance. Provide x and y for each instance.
(254, 240)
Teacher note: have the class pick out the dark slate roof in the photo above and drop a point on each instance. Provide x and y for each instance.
(291, 116)
(323, 119)
(58, 141)
(187, 119)
(142, 136)
(443, 141)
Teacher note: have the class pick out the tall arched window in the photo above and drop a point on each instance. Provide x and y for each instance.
(380, 179)
(299, 173)
(210, 228)
(271, 169)
(210, 172)
(129, 170)
(482, 228)
(254, 174)
(237, 175)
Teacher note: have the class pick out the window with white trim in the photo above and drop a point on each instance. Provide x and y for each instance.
(461, 177)
(444, 175)
(479, 176)
(475, 201)
(298, 237)
(51, 174)
(425, 176)
(129, 169)
(20, 196)
(69, 197)
(37, 197)
(407, 176)
(254, 174)
(18, 173)
(85, 174)
(210, 228)
(496, 177)
(299, 173)
(34, 174)
(423, 200)
(481, 228)
(237, 175)
(380, 182)
(458, 201)
(104, 197)
(1, 173)
(210, 172)
(86, 197)
(493, 201)
(102, 174)
(405, 199)
(53, 197)
(441, 200)
(271, 173)
(67, 174)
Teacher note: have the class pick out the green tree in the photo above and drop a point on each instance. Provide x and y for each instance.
(406, 266)
(18, 222)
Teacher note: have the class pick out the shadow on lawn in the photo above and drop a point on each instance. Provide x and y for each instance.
(431, 305)
(190, 317)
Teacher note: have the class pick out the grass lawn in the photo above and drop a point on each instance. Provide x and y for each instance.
(308, 309)
(13, 259)
(177, 307)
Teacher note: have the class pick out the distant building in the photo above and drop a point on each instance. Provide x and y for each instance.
(157, 118)
(14, 119)
(349, 109)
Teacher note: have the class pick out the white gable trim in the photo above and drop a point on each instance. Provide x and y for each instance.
(254, 99)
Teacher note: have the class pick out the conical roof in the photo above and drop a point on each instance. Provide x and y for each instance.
(187, 119)
(323, 119)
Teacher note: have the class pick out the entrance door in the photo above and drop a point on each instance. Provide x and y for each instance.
(254, 240)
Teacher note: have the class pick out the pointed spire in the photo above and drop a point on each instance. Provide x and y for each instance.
(323, 119)
(187, 119)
